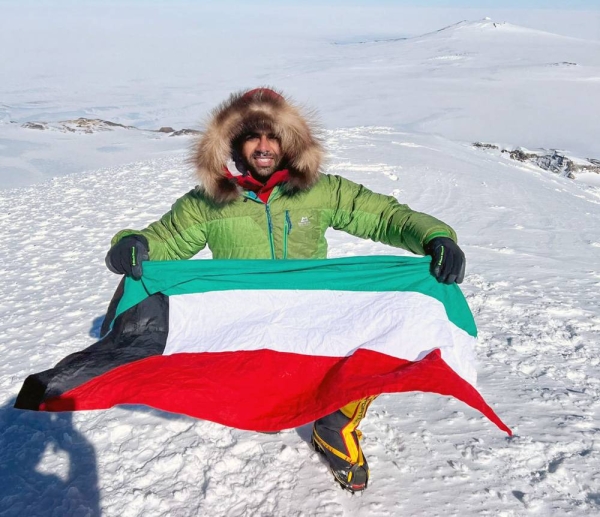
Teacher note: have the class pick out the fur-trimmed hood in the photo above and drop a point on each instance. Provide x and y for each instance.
(245, 112)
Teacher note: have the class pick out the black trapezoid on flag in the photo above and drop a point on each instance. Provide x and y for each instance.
(138, 333)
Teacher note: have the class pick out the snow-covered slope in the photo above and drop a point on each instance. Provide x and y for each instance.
(473, 81)
(532, 240)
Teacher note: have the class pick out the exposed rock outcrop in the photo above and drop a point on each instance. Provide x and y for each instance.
(183, 132)
(40, 126)
(548, 159)
(91, 125)
(95, 125)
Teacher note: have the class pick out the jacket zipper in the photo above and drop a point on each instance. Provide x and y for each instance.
(287, 228)
(270, 227)
(254, 197)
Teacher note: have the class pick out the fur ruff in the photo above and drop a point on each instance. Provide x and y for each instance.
(261, 109)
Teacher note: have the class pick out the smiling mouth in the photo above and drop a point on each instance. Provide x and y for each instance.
(263, 160)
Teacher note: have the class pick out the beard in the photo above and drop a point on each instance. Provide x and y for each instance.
(262, 164)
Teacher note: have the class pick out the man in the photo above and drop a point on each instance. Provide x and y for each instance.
(262, 195)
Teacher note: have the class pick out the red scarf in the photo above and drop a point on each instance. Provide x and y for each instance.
(262, 190)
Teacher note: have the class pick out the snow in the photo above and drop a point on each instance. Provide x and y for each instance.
(532, 241)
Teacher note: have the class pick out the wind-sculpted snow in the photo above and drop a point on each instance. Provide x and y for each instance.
(532, 241)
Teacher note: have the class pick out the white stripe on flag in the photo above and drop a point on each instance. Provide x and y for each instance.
(406, 325)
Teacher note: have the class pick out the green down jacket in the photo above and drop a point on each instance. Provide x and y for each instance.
(288, 226)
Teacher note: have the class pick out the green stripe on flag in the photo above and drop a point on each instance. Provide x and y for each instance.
(372, 273)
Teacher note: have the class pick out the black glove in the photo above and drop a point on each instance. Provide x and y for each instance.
(127, 255)
(447, 260)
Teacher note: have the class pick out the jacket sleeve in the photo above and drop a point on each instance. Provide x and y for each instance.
(366, 214)
(179, 234)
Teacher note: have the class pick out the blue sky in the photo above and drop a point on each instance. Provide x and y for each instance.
(454, 4)
(481, 4)
(458, 4)
(332, 18)
(494, 4)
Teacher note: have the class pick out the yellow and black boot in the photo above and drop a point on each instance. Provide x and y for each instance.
(337, 438)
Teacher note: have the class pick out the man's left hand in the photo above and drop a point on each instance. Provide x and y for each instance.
(447, 260)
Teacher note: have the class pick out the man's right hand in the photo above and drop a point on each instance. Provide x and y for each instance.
(127, 255)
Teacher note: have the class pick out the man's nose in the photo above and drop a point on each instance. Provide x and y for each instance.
(263, 144)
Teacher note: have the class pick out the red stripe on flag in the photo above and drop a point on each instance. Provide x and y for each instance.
(264, 390)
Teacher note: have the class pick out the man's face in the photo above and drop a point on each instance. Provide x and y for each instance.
(262, 153)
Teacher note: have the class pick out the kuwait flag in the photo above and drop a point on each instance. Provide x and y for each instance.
(267, 345)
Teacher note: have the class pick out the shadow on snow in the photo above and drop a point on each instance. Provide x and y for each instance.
(29, 441)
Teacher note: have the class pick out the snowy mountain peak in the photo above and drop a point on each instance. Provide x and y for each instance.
(487, 26)
(484, 30)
